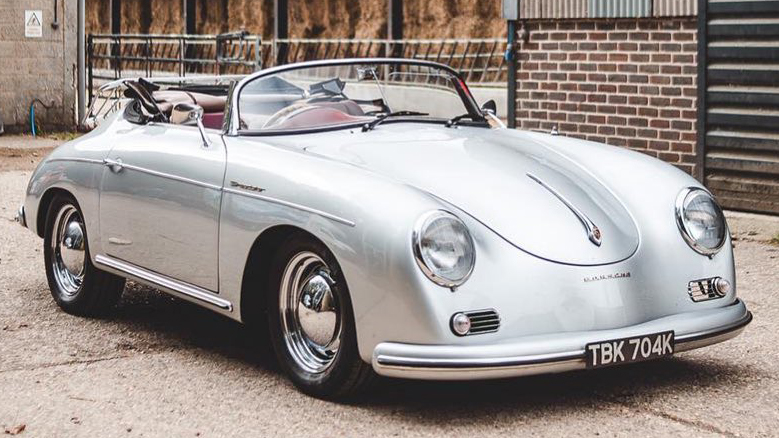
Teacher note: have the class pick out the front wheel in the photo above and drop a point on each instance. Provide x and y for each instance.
(311, 321)
(76, 285)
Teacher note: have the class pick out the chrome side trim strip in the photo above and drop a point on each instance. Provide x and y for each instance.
(77, 160)
(593, 232)
(186, 289)
(110, 163)
(290, 205)
(169, 176)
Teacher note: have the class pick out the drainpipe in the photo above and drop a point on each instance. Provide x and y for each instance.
(55, 24)
(511, 62)
(80, 48)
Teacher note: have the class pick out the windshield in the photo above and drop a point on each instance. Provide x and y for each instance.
(341, 95)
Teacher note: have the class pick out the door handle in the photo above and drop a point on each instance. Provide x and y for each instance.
(116, 166)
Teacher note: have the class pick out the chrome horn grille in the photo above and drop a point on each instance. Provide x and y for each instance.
(705, 289)
(483, 321)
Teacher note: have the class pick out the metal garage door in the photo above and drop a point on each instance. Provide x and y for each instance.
(740, 110)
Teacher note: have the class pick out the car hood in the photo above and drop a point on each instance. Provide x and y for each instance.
(508, 181)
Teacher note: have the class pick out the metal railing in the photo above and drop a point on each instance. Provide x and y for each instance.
(110, 57)
(477, 60)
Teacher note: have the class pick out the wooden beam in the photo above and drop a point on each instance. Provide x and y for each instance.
(395, 27)
(116, 16)
(280, 29)
(395, 20)
(189, 8)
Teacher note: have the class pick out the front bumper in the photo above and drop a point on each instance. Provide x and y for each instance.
(549, 353)
(20, 217)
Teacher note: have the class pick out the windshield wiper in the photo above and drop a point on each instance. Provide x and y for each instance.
(454, 121)
(375, 122)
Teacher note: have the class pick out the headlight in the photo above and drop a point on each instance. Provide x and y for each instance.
(443, 248)
(700, 221)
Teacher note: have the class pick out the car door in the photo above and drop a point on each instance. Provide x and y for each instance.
(160, 201)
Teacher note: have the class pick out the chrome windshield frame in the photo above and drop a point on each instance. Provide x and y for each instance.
(233, 124)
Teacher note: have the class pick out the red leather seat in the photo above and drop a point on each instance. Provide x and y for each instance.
(213, 120)
(316, 116)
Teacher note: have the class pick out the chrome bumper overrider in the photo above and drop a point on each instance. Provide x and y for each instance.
(20, 217)
(550, 353)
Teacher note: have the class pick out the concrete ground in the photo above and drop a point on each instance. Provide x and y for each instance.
(162, 367)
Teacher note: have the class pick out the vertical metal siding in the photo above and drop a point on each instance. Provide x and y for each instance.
(553, 9)
(741, 106)
(619, 8)
(675, 8)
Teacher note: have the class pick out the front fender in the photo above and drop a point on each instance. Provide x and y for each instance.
(366, 221)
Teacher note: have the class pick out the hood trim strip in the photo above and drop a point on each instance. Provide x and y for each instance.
(593, 232)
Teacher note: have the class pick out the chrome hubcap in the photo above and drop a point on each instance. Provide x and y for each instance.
(69, 255)
(310, 315)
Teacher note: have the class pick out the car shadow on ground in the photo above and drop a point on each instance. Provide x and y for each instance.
(167, 322)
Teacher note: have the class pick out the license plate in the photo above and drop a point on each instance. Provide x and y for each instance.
(629, 350)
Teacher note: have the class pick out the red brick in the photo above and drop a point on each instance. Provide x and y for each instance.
(669, 157)
(558, 56)
(616, 120)
(669, 135)
(660, 124)
(618, 99)
(647, 133)
(647, 112)
(630, 83)
(670, 47)
(682, 147)
(617, 141)
(660, 36)
(658, 145)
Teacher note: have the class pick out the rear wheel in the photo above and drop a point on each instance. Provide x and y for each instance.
(311, 321)
(76, 285)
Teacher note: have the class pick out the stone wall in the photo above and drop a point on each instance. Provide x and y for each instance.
(42, 68)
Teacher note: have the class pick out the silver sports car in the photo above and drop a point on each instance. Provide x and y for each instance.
(380, 222)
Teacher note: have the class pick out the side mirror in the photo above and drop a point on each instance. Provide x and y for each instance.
(190, 114)
(490, 106)
(186, 114)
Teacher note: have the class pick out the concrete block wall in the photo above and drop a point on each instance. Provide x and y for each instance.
(43, 68)
(625, 82)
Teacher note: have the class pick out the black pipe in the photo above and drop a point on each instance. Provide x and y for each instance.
(55, 24)
(511, 61)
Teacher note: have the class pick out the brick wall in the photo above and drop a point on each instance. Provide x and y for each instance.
(43, 68)
(629, 82)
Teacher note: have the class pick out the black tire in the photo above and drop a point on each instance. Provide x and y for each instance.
(97, 291)
(347, 375)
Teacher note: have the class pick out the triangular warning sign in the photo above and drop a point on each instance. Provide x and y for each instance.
(33, 21)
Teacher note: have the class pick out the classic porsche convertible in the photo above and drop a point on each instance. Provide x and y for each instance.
(380, 222)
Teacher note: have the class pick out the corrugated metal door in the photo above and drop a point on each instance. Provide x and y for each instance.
(740, 108)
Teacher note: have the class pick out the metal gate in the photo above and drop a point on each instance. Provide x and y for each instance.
(739, 102)
(110, 57)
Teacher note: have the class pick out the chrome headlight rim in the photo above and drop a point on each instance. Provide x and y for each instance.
(685, 232)
(416, 244)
